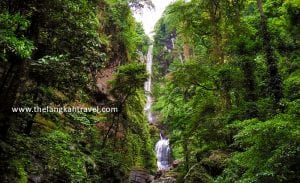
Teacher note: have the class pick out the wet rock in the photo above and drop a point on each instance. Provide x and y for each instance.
(140, 176)
(35, 178)
(165, 177)
(175, 163)
(165, 180)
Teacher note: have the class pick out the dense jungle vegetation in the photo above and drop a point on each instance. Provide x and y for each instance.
(226, 88)
(52, 53)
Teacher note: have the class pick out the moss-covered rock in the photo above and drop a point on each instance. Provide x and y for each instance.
(44, 123)
(54, 94)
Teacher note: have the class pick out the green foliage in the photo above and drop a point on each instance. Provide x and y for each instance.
(128, 79)
(127, 86)
(80, 118)
(218, 71)
(217, 88)
(68, 163)
(142, 40)
(198, 174)
(131, 38)
(22, 176)
(11, 43)
(270, 151)
(59, 47)
(292, 85)
(54, 94)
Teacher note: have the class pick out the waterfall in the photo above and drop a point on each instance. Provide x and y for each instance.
(163, 153)
(162, 147)
(147, 86)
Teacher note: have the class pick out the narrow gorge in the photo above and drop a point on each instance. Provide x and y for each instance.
(149, 91)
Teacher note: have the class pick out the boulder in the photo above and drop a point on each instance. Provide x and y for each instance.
(140, 176)
(165, 180)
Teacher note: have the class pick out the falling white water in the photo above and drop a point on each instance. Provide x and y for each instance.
(162, 147)
(148, 84)
(163, 153)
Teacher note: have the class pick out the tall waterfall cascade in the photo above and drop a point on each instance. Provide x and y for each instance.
(148, 85)
(162, 147)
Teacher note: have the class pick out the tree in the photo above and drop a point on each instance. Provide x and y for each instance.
(274, 79)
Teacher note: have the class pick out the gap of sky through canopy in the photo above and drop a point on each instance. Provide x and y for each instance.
(149, 17)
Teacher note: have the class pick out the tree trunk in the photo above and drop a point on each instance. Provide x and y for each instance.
(186, 155)
(274, 79)
(215, 17)
(9, 95)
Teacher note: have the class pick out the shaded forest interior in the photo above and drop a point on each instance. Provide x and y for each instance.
(226, 88)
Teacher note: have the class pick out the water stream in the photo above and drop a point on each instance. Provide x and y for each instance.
(163, 152)
(162, 147)
(148, 85)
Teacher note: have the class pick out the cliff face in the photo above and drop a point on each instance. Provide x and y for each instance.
(102, 79)
(66, 54)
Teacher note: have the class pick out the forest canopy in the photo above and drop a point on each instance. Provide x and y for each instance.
(227, 88)
(225, 91)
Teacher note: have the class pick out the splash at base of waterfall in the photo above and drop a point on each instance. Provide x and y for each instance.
(163, 154)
